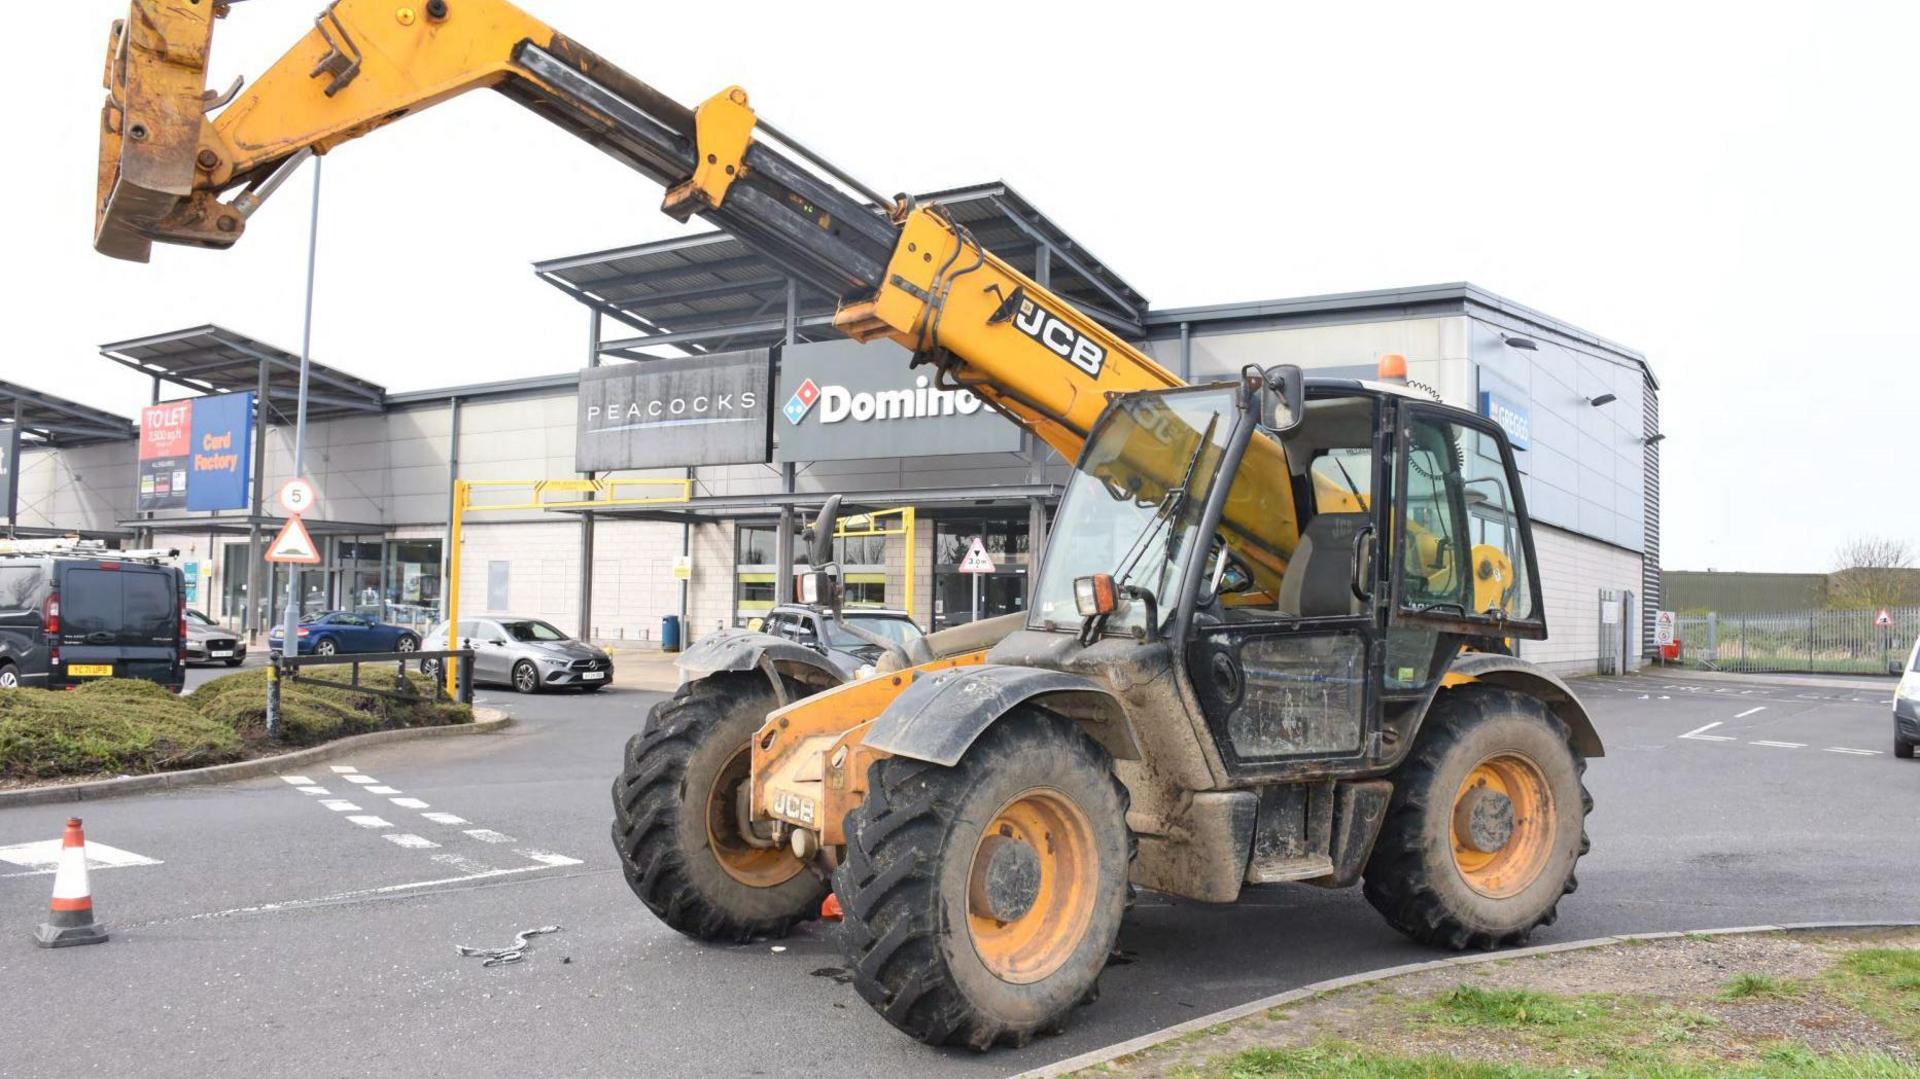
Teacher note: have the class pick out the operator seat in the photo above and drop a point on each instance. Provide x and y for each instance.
(1319, 578)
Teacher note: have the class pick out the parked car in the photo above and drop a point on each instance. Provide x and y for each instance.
(210, 642)
(1906, 707)
(89, 613)
(848, 653)
(526, 653)
(338, 632)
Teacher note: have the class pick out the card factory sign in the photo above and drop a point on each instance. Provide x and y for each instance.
(195, 454)
(841, 400)
(700, 410)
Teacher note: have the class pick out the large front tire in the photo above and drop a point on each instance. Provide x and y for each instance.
(676, 819)
(1486, 825)
(982, 901)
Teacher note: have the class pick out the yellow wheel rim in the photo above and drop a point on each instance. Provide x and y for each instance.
(1031, 886)
(1503, 825)
(755, 867)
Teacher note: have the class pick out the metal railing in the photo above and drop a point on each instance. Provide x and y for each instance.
(282, 668)
(1813, 641)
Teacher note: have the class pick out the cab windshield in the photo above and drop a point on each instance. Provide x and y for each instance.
(1134, 502)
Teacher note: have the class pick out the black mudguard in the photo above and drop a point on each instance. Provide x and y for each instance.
(1523, 677)
(941, 714)
(749, 650)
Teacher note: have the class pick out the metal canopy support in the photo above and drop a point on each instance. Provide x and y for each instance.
(587, 517)
(783, 533)
(249, 624)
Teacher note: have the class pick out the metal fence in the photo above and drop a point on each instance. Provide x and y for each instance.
(1831, 642)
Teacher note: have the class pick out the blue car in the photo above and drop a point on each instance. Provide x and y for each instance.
(337, 632)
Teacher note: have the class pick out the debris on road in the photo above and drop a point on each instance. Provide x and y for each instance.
(513, 953)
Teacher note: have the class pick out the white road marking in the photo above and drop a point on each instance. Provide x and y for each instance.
(1751, 711)
(462, 863)
(370, 822)
(411, 842)
(408, 803)
(1699, 734)
(339, 805)
(357, 778)
(298, 781)
(344, 768)
(383, 790)
(363, 893)
(1854, 752)
(44, 857)
(311, 790)
(444, 818)
(544, 858)
(488, 835)
(1781, 745)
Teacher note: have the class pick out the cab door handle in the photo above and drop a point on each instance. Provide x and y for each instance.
(1361, 571)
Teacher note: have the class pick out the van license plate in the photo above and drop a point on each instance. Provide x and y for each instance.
(90, 670)
(593, 676)
(219, 653)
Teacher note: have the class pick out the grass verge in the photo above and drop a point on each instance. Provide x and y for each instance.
(128, 727)
(1825, 1006)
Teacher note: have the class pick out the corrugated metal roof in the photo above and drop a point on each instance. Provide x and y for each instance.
(213, 359)
(56, 421)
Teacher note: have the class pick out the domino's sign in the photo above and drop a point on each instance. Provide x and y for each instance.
(1512, 418)
(840, 401)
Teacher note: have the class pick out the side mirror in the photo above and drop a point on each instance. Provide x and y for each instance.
(819, 534)
(816, 589)
(1282, 398)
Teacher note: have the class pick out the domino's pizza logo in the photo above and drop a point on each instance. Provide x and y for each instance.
(801, 402)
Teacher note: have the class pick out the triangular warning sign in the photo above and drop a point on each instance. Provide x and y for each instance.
(294, 544)
(976, 560)
(1884, 618)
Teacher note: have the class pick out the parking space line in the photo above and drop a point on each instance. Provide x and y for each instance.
(410, 841)
(298, 781)
(339, 805)
(546, 858)
(361, 893)
(1780, 745)
(370, 822)
(1751, 711)
(408, 803)
(1853, 752)
(383, 790)
(1699, 734)
(488, 835)
(357, 778)
(343, 769)
(311, 790)
(444, 818)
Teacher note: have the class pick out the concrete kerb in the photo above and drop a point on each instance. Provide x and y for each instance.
(1131, 1046)
(485, 721)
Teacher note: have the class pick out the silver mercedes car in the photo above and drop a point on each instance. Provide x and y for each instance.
(526, 653)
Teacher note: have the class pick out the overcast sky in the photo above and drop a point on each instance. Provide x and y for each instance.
(1728, 188)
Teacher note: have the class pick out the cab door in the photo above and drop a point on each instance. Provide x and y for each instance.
(1289, 677)
(1463, 570)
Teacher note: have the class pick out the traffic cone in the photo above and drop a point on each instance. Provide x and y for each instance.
(830, 908)
(70, 918)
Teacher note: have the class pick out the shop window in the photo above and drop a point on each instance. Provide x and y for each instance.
(1002, 592)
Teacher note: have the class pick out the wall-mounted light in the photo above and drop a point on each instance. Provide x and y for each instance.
(1654, 439)
(1514, 340)
(1603, 399)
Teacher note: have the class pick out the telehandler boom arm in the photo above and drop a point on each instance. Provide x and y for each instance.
(903, 272)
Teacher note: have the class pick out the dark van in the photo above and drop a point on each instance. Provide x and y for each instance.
(68, 619)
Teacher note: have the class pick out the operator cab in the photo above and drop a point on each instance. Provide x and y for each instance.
(1350, 555)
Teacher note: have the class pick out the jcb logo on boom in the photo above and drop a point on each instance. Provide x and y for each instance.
(1060, 338)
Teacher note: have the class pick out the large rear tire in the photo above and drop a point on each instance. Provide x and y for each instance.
(677, 819)
(982, 901)
(1486, 825)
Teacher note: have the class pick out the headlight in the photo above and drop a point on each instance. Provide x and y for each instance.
(555, 662)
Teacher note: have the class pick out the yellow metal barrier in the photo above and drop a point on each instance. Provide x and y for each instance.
(605, 494)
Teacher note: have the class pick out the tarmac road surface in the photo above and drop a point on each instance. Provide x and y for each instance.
(313, 932)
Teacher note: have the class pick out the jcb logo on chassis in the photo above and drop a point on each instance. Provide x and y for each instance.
(1060, 338)
(793, 807)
